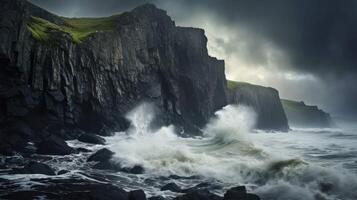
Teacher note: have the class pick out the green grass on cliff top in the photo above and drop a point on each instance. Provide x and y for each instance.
(78, 28)
(294, 105)
(231, 85)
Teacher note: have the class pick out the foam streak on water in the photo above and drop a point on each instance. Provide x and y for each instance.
(274, 165)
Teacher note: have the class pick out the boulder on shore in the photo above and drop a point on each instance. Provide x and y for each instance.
(91, 138)
(240, 193)
(54, 145)
(35, 168)
(101, 155)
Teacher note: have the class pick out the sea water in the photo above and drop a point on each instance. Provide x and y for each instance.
(302, 164)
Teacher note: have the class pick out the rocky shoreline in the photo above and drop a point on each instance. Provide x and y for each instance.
(58, 184)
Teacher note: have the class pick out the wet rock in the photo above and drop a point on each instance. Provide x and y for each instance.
(29, 195)
(11, 142)
(326, 187)
(183, 177)
(105, 131)
(200, 195)
(173, 187)
(83, 150)
(202, 186)
(62, 172)
(54, 145)
(96, 192)
(137, 169)
(101, 155)
(264, 100)
(17, 142)
(20, 128)
(157, 198)
(69, 134)
(240, 193)
(107, 165)
(105, 76)
(35, 168)
(137, 195)
(92, 139)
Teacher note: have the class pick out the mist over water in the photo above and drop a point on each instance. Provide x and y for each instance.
(302, 164)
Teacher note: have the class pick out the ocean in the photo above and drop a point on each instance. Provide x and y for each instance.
(302, 164)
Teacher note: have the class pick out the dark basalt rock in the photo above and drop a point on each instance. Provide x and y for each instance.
(157, 198)
(240, 193)
(201, 186)
(68, 134)
(301, 115)
(137, 195)
(92, 139)
(54, 145)
(101, 155)
(92, 85)
(81, 149)
(107, 165)
(265, 101)
(97, 192)
(173, 187)
(137, 169)
(199, 195)
(35, 168)
(62, 172)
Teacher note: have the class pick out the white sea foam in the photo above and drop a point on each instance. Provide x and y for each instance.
(229, 154)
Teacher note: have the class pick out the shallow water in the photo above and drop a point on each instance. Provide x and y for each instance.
(302, 164)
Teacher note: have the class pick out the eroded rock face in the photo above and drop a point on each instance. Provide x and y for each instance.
(301, 115)
(265, 102)
(91, 85)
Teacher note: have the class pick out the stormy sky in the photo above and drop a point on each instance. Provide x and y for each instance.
(307, 49)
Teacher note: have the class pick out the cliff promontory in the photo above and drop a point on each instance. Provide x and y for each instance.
(301, 115)
(265, 101)
(86, 73)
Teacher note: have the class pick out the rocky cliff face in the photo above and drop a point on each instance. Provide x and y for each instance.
(49, 80)
(265, 102)
(301, 115)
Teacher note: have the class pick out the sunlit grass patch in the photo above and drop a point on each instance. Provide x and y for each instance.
(78, 28)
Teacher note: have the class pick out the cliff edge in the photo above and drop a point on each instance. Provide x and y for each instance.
(264, 100)
(301, 115)
(85, 73)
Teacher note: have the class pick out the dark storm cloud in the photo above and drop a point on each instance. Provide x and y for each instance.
(318, 36)
(88, 8)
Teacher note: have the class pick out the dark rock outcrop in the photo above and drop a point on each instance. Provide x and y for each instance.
(53, 145)
(137, 195)
(136, 169)
(240, 193)
(157, 198)
(103, 158)
(173, 187)
(61, 172)
(92, 139)
(199, 195)
(301, 115)
(92, 84)
(264, 100)
(101, 155)
(35, 168)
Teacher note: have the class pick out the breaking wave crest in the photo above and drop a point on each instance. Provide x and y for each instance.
(227, 154)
